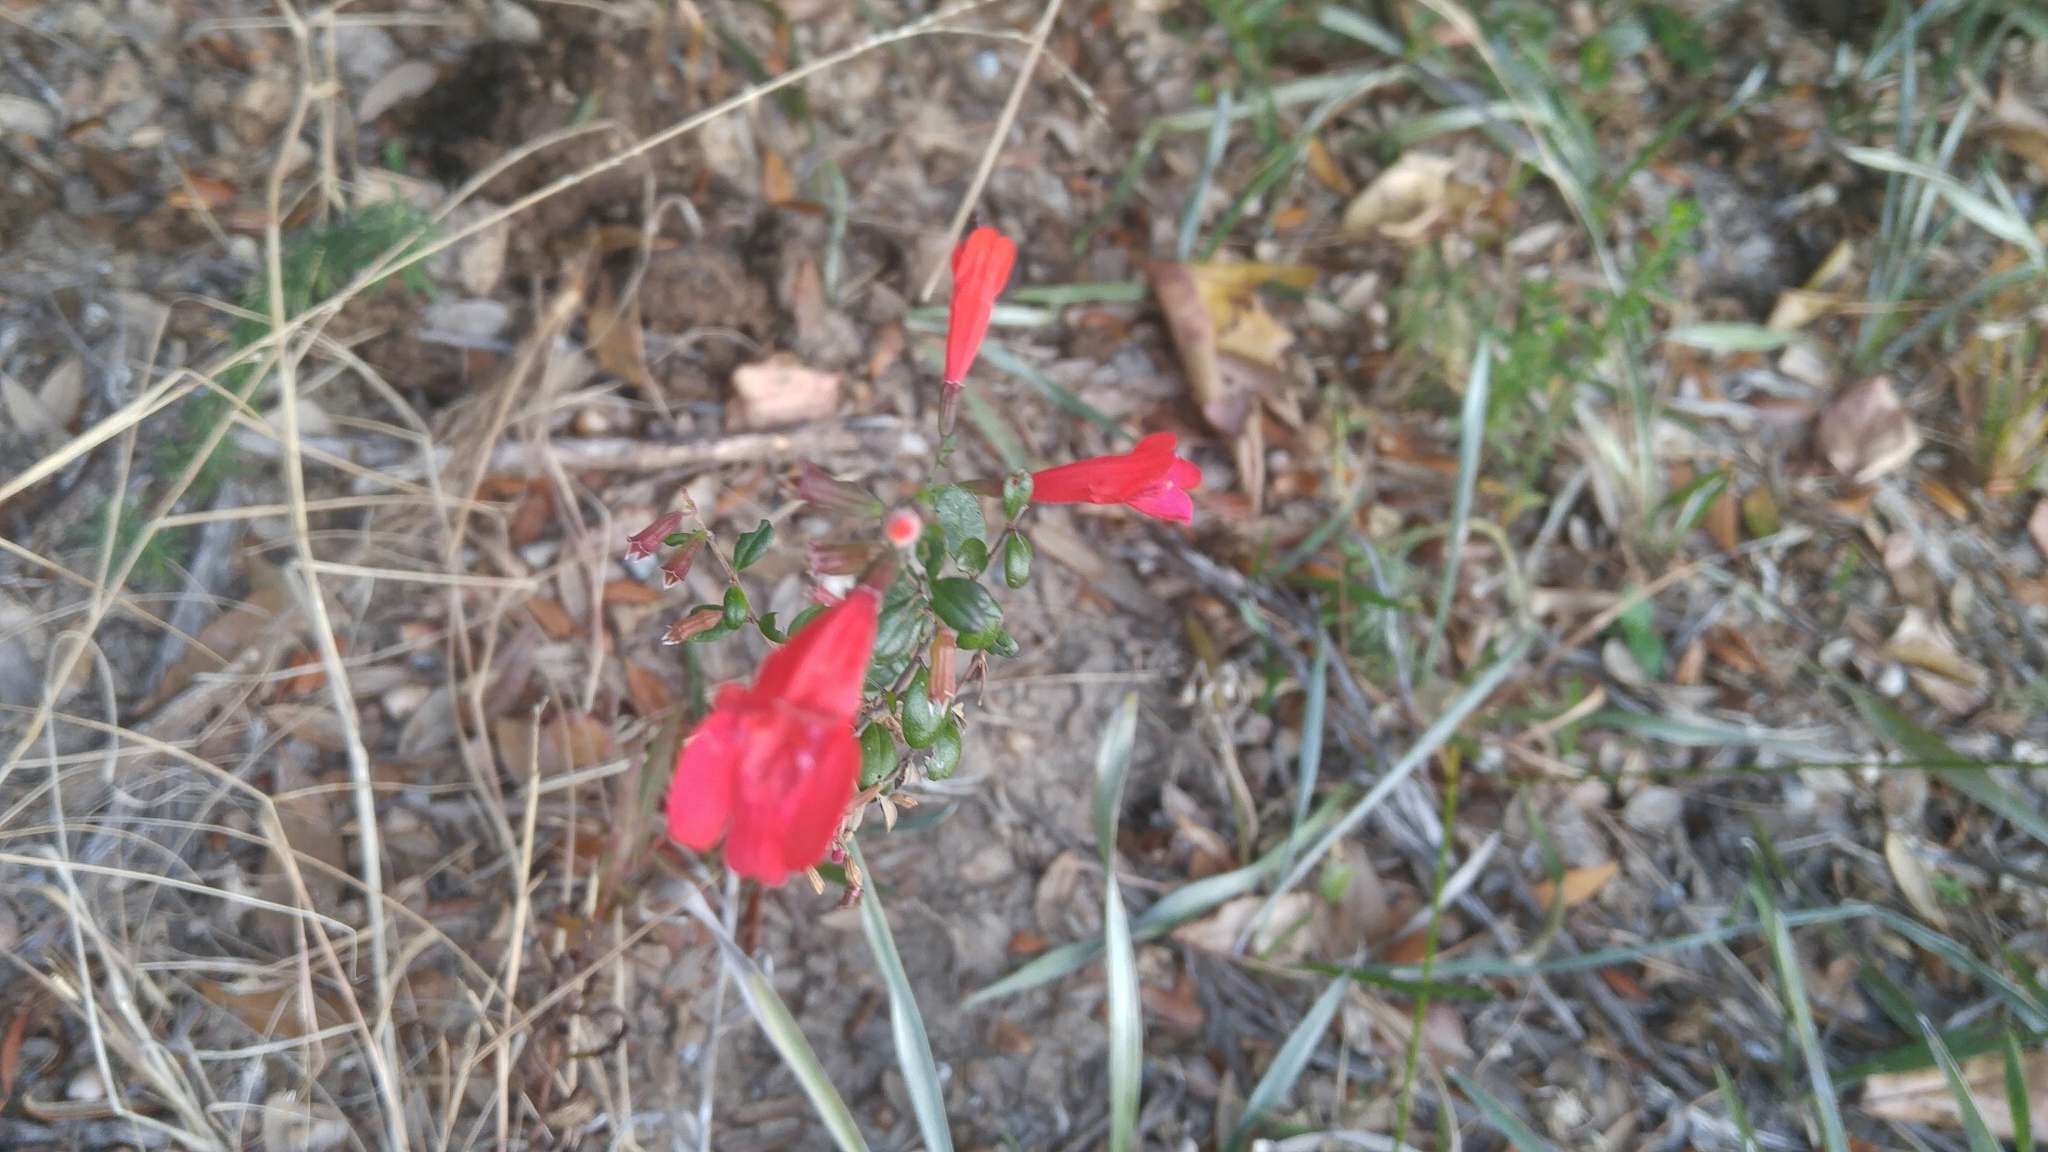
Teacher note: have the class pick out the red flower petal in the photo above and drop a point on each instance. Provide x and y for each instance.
(1107, 479)
(1165, 503)
(792, 793)
(821, 668)
(700, 794)
(981, 268)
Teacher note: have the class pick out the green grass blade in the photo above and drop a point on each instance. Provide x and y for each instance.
(1288, 1064)
(1738, 1115)
(1949, 766)
(1792, 980)
(1446, 724)
(1310, 762)
(1112, 765)
(1728, 338)
(1471, 439)
(906, 1024)
(1219, 140)
(1973, 207)
(1345, 22)
(781, 1030)
(1126, 1020)
(2016, 1098)
(1975, 1130)
(1505, 1122)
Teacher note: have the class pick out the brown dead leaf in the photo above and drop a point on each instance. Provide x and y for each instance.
(1945, 498)
(616, 339)
(1326, 170)
(647, 691)
(1282, 939)
(231, 632)
(553, 619)
(781, 390)
(1194, 337)
(312, 673)
(10, 1052)
(2021, 128)
(778, 184)
(1927, 649)
(568, 740)
(1403, 201)
(631, 593)
(2037, 527)
(1866, 432)
(1922, 1096)
(1580, 884)
(1724, 521)
(1025, 942)
(888, 349)
(535, 512)
(267, 1010)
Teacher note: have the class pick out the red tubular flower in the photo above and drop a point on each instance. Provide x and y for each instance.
(981, 266)
(642, 544)
(1149, 478)
(772, 768)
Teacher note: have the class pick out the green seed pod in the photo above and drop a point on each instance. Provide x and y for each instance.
(1017, 562)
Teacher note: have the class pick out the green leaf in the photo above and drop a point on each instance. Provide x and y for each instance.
(967, 609)
(877, 755)
(1288, 1064)
(945, 757)
(1638, 627)
(768, 629)
(906, 1024)
(959, 515)
(973, 557)
(751, 546)
(920, 714)
(734, 606)
(1016, 561)
(781, 1029)
(1003, 644)
(804, 617)
(931, 549)
(900, 623)
(1016, 493)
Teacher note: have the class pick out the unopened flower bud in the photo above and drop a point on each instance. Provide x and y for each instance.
(833, 496)
(902, 526)
(642, 544)
(698, 622)
(677, 569)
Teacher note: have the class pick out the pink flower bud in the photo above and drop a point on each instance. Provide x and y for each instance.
(642, 544)
(902, 527)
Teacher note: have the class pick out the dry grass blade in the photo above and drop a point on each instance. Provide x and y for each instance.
(1497, 1114)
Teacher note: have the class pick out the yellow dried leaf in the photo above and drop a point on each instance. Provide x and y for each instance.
(1580, 884)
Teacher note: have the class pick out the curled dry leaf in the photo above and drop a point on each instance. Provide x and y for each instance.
(2037, 527)
(408, 81)
(1922, 1096)
(1937, 667)
(1866, 432)
(1402, 202)
(1912, 876)
(2020, 127)
(781, 390)
(1229, 344)
(1285, 937)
